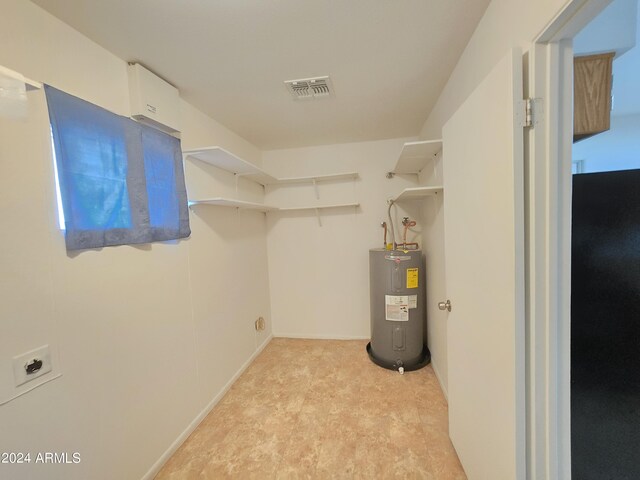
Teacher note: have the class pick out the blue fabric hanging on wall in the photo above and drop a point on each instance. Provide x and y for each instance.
(121, 182)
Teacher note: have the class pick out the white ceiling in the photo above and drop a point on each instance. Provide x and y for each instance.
(388, 59)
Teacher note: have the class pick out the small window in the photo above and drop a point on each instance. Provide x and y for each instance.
(57, 180)
(120, 182)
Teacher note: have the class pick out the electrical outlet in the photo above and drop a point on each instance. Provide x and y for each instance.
(260, 324)
(31, 365)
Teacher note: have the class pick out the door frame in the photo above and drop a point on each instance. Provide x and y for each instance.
(548, 190)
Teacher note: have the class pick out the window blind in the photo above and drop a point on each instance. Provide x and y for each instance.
(121, 182)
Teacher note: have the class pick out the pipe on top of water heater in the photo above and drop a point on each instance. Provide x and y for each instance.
(392, 245)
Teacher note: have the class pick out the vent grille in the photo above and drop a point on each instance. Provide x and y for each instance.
(309, 88)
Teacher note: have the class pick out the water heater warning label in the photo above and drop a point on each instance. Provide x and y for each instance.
(413, 301)
(412, 278)
(397, 308)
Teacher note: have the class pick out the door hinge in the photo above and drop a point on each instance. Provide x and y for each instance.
(530, 112)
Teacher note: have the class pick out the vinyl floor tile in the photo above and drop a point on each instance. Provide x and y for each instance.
(316, 409)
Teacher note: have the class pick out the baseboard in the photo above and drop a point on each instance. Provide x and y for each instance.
(435, 370)
(153, 471)
(321, 336)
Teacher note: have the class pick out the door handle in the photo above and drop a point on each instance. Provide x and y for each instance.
(445, 305)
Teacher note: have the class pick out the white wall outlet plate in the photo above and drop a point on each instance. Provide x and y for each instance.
(31, 365)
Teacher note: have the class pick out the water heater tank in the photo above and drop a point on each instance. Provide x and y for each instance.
(397, 309)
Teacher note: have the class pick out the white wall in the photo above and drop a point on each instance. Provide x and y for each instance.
(614, 29)
(616, 149)
(319, 275)
(505, 24)
(626, 71)
(145, 337)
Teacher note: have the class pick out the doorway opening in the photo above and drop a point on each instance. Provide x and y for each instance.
(605, 256)
(555, 166)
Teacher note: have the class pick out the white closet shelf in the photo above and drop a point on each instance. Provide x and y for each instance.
(226, 160)
(319, 207)
(316, 178)
(415, 155)
(228, 202)
(32, 85)
(13, 76)
(418, 192)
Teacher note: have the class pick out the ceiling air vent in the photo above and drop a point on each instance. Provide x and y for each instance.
(308, 88)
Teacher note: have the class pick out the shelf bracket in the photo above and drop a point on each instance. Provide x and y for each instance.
(235, 176)
(315, 187)
(318, 215)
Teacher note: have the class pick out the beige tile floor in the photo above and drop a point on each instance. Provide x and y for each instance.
(321, 409)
